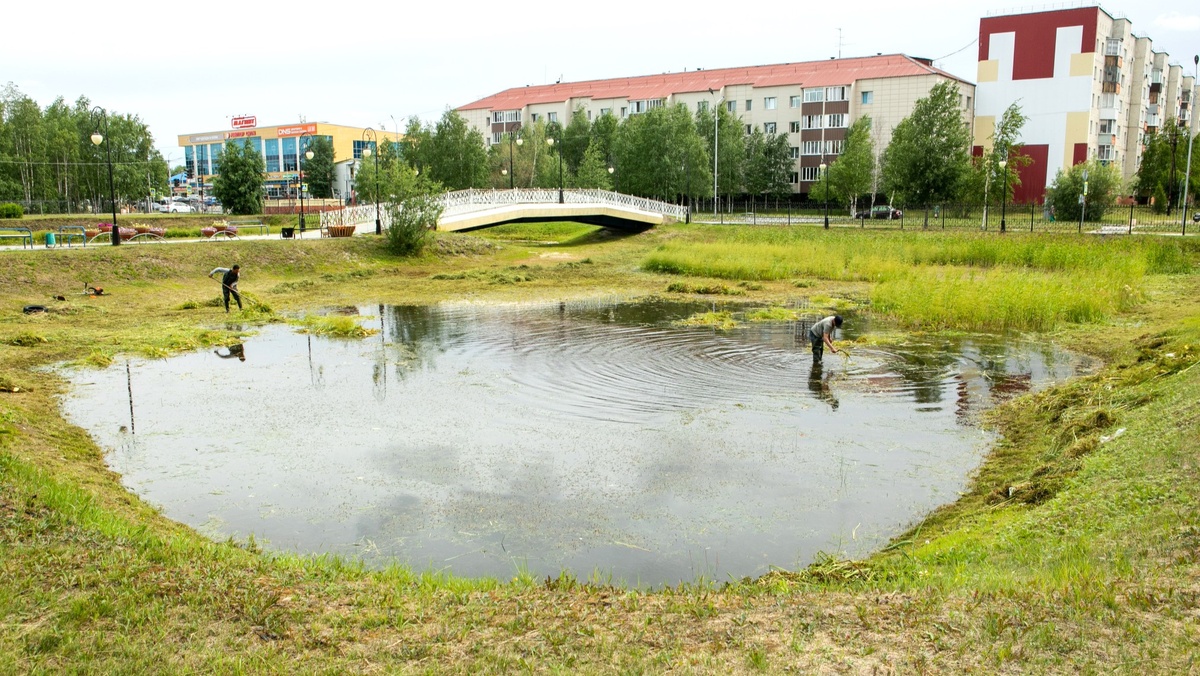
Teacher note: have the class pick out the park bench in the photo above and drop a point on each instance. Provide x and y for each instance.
(17, 232)
(70, 233)
(247, 224)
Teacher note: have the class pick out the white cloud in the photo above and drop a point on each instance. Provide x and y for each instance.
(1175, 21)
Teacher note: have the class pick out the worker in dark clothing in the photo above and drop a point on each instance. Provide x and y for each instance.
(821, 334)
(229, 284)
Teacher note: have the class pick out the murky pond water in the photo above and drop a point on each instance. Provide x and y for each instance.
(595, 438)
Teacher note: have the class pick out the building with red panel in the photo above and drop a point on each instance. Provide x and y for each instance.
(813, 102)
(1090, 87)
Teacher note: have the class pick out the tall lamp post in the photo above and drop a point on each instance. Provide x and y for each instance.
(1187, 172)
(824, 169)
(511, 169)
(97, 138)
(1003, 191)
(550, 142)
(366, 152)
(716, 117)
(307, 154)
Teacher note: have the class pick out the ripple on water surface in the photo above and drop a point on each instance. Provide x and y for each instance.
(589, 437)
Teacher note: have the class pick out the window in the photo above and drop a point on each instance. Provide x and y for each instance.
(833, 147)
(289, 153)
(701, 106)
(768, 127)
(1107, 126)
(794, 127)
(749, 129)
(504, 116)
(731, 106)
(794, 102)
(358, 148)
(809, 173)
(835, 121)
(201, 160)
(272, 154)
(811, 122)
(552, 117)
(814, 95)
(645, 104)
(793, 178)
(812, 147)
(533, 117)
(868, 98)
(1104, 153)
(749, 103)
(835, 93)
(624, 111)
(606, 111)
(769, 103)
(497, 137)
(794, 152)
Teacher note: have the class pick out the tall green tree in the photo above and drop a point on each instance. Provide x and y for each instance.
(852, 174)
(593, 170)
(577, 136)
(1103, 186)
(1163, 165)
(657, 151)
(397, 180)
(239, 186)
(318, 172)
(768, 164)
(456, 154)
(929, 157)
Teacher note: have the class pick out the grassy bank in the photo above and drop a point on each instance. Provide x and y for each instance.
(1074, 550)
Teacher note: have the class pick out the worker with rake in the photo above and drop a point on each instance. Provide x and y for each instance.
(229, 284)
(820, 334)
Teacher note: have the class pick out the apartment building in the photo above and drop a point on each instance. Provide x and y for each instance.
(1090, 86)
(812, 102)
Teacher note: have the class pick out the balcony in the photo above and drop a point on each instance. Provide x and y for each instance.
(1110, 87)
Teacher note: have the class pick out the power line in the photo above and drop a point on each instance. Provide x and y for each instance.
(966, 47)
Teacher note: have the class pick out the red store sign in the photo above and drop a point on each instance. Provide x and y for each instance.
(245, 122)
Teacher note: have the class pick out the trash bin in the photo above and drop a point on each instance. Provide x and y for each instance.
(49, 239)
(287, 233)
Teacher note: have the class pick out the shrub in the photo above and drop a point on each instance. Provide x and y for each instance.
(412, 221)
(11, 210)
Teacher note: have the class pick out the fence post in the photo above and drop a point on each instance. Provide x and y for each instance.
(1131, 205)
(1032, 215)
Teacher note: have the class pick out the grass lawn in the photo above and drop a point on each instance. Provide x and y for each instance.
(1076, 548)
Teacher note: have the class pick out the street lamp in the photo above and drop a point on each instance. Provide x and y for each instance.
(823, 168)
(716, 117)
(1191, 137)
(308, 154)
(366, 152)
(511, 169)
(550, 142)
(1003, 192)
(97, 138)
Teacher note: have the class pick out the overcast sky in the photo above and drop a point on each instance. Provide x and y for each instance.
(189, 67)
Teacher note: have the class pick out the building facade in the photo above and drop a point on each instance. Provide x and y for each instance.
(1090, 87)
(282, 148)
(813, 103)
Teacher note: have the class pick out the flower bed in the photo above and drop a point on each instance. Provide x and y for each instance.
(341, 230)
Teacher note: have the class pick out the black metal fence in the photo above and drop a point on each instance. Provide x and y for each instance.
(1127, 219)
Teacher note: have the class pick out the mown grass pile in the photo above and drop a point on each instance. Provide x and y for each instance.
(933, 280)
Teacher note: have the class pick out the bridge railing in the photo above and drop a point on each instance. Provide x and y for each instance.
(466, 201)
(356, 215)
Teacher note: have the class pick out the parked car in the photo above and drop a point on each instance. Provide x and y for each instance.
(881, 211)
(173, 207)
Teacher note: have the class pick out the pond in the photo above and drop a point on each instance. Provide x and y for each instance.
(597, 438)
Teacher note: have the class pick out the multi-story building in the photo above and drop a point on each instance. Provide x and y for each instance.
(1089, 86)
(282, 147)
(813, 102)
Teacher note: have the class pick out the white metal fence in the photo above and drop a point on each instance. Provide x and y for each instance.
(466, 201)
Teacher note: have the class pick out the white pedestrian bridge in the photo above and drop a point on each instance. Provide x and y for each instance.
(474, 209)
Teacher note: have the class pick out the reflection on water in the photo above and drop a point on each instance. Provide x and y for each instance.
(591, 437)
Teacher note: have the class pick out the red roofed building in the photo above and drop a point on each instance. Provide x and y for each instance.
(813, 102)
